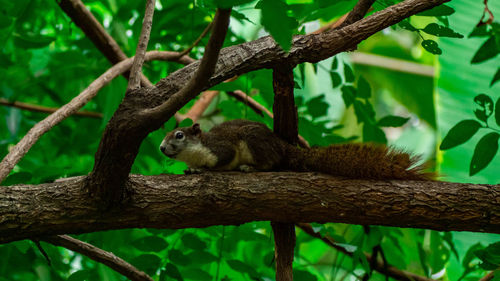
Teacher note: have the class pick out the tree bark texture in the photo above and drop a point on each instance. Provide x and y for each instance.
(121, 142)
(232, 198)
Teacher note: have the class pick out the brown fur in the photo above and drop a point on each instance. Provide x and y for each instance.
(269, 152)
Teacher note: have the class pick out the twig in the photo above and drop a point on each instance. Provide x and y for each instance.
(23, 146)
(197, 41)
(197, 110)
(379, 266)
(486, 10)
(205, 69)
(489, 276)
(45, 109)
(135, 72)
(86, 21)
(358, 12)
(107, 258)
(40, 248)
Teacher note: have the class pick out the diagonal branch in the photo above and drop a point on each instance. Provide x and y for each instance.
(379, 266)
(134, 81)
(197, 41)
(358, 12)
(205, 70)
(45, 109)
(107, 258)
(231, 198)
(24, 145)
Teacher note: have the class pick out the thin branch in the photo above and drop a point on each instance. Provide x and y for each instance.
(86, 21)
(45, 109)
(24, 145)
(378, 265)
(197, 41)
(197, 110)
(136, 70)
(358, 12)
(107, 258)
(231, 198)
(205, 69)
(489, 276)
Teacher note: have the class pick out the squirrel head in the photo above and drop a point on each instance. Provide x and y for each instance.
(180, 139)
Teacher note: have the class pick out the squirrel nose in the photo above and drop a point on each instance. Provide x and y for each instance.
(162, 148)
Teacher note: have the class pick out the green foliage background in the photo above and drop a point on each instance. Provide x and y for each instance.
(47, 60)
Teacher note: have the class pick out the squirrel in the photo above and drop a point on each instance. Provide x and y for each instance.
(251, 146)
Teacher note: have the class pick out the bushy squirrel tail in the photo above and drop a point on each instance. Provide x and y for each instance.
(357, 160)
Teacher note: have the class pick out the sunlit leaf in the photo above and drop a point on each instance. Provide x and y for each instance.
(460, 133)
(484, 152)
(485, 104)
(497, 112)
(276, 20)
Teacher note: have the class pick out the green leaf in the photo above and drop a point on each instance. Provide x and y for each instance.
(488, 50)
(348, 74)
(188, 122)
(276, 21)
(193, 242)
(5, 21)
(484, 152)
(441, 10)
(80, 275)
(150, 244)
(178, 257)
(335, 63)
(496, 78)
(405, 24)
(490, 256)
(172, 271)
(17, 178)
(460, 133)
(148, 263)
(485, 109)
(196, 274)
(225, 4)
(470, 255)
(372, 133)
(239, 266)
(304, 275)
(201, 257)
(364, 112)
(364, 90)
(348, 95)
(336, 79)
(497, 112)
(480, 31)
(441, 31)
(432, 47)
(317, 106)
(392, 121)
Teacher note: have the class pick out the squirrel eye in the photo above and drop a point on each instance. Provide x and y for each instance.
(179, 135)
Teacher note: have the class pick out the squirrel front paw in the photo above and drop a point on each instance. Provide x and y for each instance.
(190, 171)
(247, 168)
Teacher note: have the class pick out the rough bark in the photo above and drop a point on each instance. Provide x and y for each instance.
(121, 142)
(180, 201)
(285, 126)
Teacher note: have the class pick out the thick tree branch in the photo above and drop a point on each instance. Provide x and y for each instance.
(135, 118)
(136, 69)
(107, 258)
(388, 270)
(45, 109)
(181, 201)
(24, 145)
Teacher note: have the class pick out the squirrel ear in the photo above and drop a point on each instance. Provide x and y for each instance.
(196, 129)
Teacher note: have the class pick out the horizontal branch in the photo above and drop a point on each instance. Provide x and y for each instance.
(232, 198)
(45, 109)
